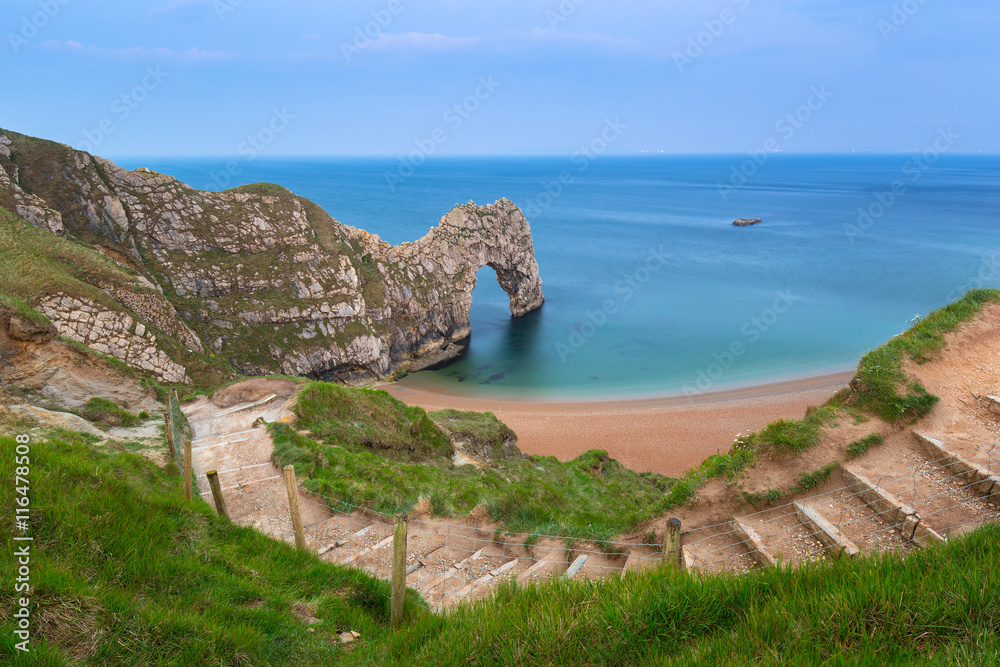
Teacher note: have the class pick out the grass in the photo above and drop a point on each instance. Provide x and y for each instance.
(881, 385)
(483, 434)
(23, 310)
(371, 464)
(367, 419)
(859, 447)
(125, 571)
(35, 263)
(810, 480)
(865, 611)
(105, 412)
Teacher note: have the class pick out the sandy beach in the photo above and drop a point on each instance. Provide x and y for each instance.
(663, 435)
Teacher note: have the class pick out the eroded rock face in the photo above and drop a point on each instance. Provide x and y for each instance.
(267, 279)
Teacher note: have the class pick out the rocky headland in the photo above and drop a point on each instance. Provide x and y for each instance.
(256, 278)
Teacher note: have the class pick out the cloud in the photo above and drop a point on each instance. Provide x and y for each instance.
(192, 55)
(421, 41)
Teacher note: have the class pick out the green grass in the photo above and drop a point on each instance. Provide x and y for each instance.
(359, 453)
(768, 496)
(23, 310)
(105, 413)
(859, 447)
(936, 607)
(810, 480)
(881, 386)
(368, 419)
(33, 262)
(483, 433)
(126, 572)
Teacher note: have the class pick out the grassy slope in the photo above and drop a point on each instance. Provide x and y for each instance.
(34, 263)
(127, 572)
(368, 449)
(125, 566)
(936, 607)
(881, 386)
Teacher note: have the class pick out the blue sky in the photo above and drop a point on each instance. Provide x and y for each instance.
(199, 77)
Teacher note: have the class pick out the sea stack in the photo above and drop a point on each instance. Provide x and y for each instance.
(745, 222)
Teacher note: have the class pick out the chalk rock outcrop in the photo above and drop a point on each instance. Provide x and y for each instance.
(266, 279)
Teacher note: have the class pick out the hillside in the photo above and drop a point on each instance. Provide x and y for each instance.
(127, 572)
(253, 280)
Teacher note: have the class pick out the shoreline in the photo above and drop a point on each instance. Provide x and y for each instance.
(666, 435)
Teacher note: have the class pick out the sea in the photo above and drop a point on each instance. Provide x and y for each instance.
(649, 288)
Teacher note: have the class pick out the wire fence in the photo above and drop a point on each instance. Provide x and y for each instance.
(449, 561)
(178, 433)
(452, 560)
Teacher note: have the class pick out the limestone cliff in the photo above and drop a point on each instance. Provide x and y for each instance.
(261, 277)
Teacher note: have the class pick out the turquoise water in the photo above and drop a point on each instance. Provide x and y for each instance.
(649, 288)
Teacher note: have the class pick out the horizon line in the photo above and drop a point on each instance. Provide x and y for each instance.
(487, 156)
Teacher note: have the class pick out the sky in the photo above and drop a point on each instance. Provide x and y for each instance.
(510, 77)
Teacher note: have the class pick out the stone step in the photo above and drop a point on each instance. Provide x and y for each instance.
(974, 477)
(835, 543)
(753, 543)
(364, 552)
(575, 567)
(892, 510)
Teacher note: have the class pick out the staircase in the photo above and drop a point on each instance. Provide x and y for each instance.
(941, 489)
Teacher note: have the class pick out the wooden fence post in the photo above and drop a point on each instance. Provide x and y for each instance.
(170, 428)
(293, 506)
(220, 502)
(187, 467)
(398, 570)
(672, 543)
